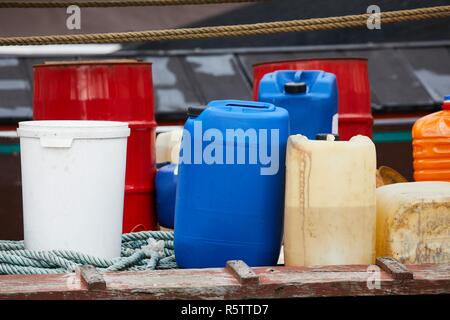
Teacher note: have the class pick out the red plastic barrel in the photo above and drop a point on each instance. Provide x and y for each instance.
(355, 116)
(118, 90)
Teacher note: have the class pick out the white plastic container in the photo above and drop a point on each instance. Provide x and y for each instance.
(73, 182)
(413, 222)
(330, 201)
(168, 146)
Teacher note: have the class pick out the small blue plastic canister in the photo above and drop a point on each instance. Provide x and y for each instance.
(309, 96)
(230, 195)
(166, 188)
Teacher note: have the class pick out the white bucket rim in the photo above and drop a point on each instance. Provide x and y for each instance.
(75, 129)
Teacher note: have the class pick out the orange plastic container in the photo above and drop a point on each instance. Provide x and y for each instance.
(431, 145)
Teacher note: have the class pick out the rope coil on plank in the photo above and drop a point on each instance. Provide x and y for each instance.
(144, 235)
(113, 3)
(264, 28)
(140, 251)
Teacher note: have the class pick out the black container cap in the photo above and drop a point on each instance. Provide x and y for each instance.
(323, 136)
(295, 87)
(195, 111)
(162, 164)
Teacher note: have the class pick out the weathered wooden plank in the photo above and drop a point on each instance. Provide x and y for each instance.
(274, 282)
(244, 274)
(392, 266)
(92, 278)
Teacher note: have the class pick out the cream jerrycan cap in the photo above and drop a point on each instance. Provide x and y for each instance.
(61, 133)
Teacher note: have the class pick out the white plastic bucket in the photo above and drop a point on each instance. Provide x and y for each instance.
(73, 182)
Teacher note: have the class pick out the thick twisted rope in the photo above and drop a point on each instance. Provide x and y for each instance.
(265, 28)
(140, 251)
(113, 3)
(144, 235)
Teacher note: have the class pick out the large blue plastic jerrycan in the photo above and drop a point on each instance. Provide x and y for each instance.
(230, 193)
(309, 96)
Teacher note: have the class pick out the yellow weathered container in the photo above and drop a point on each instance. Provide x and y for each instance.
(413, 222)
(330, 200)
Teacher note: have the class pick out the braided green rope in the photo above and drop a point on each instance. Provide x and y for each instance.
(11, 245)
(140, 251)
(17, 260)
(11, 269)
(144, 235)
(47, 256)
(134, 259)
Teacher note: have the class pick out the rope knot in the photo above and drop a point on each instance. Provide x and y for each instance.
(154, 246)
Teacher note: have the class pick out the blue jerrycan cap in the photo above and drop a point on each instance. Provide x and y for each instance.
(295, 87)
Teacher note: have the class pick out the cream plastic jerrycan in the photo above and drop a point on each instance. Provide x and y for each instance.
(413, 222)
(330, 213)
(168, 146)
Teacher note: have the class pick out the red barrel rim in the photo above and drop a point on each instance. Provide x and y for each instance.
(75, 63)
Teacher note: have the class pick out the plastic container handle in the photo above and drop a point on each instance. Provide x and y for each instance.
(56, 142)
